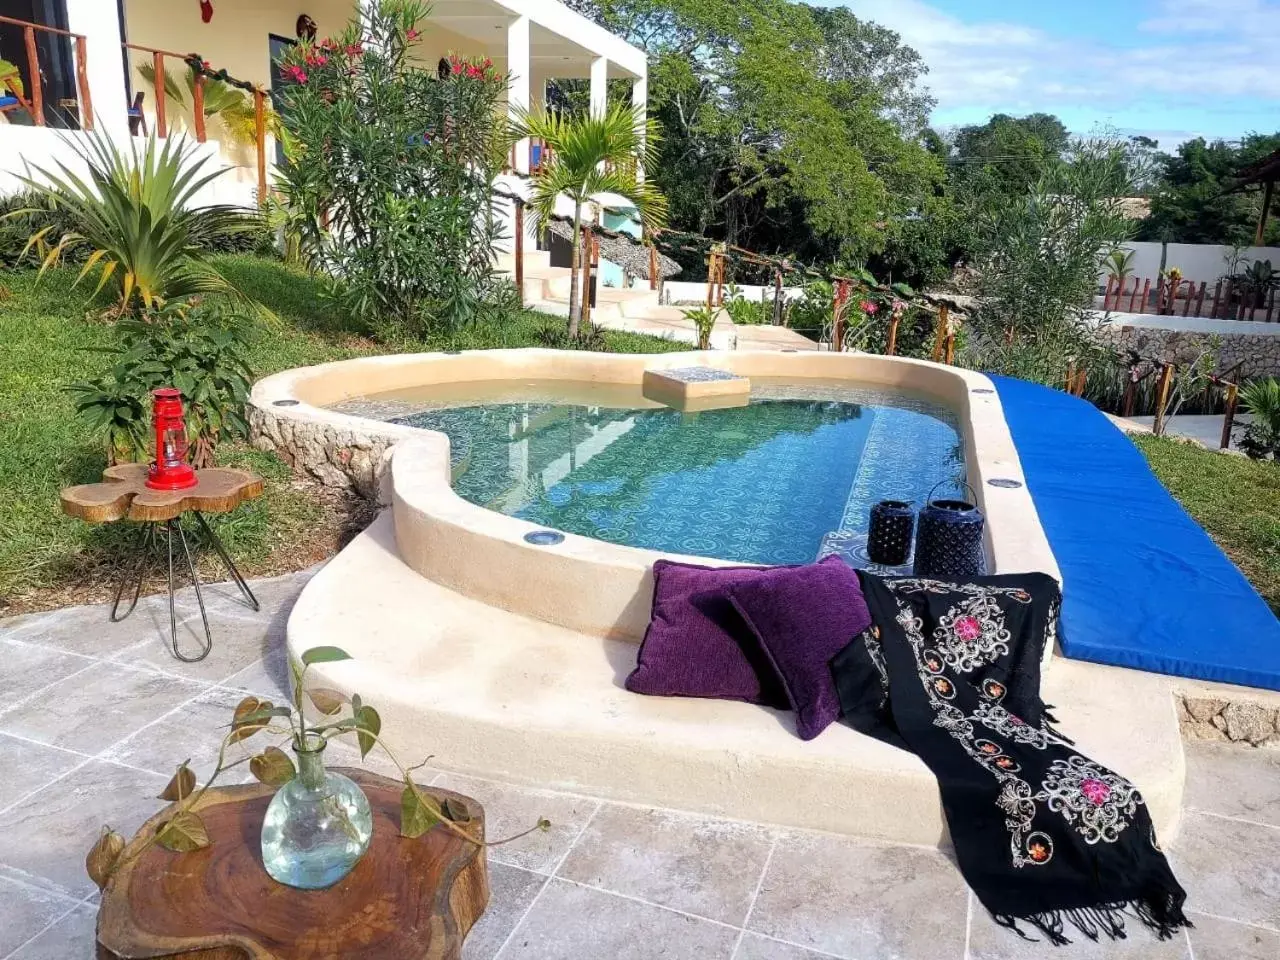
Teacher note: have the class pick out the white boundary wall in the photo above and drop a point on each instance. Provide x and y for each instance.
(1199, 262)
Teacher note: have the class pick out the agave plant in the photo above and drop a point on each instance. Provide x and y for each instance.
(137, 214)
(592, 155)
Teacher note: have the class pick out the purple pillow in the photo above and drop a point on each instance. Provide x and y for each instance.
(803, 617)
(697, 645)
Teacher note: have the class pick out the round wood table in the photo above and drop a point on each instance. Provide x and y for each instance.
(405, 900)
(123, 494)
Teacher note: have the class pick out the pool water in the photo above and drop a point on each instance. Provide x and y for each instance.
(786, 479)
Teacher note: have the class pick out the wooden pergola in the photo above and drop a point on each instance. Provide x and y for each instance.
(1265, 173)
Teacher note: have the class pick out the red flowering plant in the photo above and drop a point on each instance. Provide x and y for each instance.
(389, 172)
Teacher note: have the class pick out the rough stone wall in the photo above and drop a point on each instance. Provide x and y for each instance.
(335, 456)
(1260, 352)
(1229, 721)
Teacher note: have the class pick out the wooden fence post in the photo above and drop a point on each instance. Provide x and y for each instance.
(33, 68)
(1106, 295)
(712, 261)
(162, 124)
(1070, 379)
(940, 335)
(1229, 414)
(1130, 393)
(950, 355)
(1080, 380)
(1133, 297)
(777, 296)
(837, 316)
(1200, 298)
(197, 104)
(653, 266)
(588, 250)
(82, 84)
(1162, 398)
(892, 349)
(1146, 292)
(1217, 295)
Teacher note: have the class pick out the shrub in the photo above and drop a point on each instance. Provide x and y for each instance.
(1262, 437)
(747, 312)
(703, 321)
(136, 217)
(198, 349)
(388, 176)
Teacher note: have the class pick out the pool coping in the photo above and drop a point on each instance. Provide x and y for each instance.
(591, 586)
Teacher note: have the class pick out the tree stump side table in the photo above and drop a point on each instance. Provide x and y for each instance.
(405, 900)
(124, 495)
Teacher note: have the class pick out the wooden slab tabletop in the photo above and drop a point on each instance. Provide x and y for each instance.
(123, 494)
(405, 899)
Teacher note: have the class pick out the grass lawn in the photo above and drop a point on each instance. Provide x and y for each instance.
(47, 332)
(1235, 499)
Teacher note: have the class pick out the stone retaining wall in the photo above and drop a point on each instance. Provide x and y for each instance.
(336, 455)
(1230, 721)
(1259, 352)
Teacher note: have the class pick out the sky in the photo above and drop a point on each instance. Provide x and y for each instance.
(1168, 69)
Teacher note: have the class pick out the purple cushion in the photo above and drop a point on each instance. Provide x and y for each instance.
(803, 617)
(697, 645)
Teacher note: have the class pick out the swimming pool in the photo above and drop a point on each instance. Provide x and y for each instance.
(786, 479)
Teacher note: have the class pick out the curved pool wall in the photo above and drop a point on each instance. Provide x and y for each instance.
(591, 586)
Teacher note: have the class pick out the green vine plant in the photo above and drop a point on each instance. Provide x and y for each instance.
(183, 831)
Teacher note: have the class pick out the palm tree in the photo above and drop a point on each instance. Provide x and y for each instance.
(1120, 264)
(592, 155)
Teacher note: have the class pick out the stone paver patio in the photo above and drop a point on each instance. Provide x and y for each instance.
(96, 715)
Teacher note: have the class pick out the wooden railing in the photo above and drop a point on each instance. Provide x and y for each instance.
(1233, 298)
(34, 94)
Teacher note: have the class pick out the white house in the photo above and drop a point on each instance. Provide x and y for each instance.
(89, 53)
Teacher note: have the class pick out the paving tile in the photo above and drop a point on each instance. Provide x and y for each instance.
(88, 630)
(194, 732)
(1214, 939)
(73, 937)
(29, 766)
(699, 865)
(1234, 781)
(511, 890)
(26, 912)
(92, 710)
(47, 836)
(990, 941)
(853, 899)
(511, 809)
(238, 642)
(1229, 869)
(267, 677)
(568, 922)
(756, 947)
(343, 752)
(28, 668)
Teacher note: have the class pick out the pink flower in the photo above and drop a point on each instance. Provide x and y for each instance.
(318, 60)
(869, 307)
(296, 74)
(411, 34)
(355, 49)
(967, 629)
(1095, 791)
(488, 62)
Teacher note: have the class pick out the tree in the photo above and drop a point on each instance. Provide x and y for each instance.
(1193, 202)
(592, 155)
(390, 171)
(780, 136)
(1006, 154)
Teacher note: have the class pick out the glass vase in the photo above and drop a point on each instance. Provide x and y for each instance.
(317, 826)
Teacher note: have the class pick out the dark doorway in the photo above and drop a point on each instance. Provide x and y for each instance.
(53, 54)
(278, 47)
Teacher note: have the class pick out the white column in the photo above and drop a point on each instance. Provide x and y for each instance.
(518, 92)
(599, 86)
(640, 103)
(99, 22)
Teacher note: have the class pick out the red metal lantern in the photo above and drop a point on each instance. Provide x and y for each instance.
(170, 471)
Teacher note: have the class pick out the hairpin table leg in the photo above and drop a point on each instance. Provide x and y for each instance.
(226, 559)
(173, 527)
(146, 546)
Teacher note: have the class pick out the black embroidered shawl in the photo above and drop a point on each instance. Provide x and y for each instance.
(1042, 834)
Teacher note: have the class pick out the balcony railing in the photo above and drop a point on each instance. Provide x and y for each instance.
(30, 95)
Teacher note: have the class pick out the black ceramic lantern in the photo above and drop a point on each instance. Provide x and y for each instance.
(949, 540)
(889, 536)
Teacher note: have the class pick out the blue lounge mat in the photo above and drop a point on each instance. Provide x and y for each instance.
(1143, 585)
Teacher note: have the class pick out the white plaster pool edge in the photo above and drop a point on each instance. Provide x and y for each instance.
(588, 585)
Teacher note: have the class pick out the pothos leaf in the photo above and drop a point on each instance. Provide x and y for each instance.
(102, 858)
(183, 834)
(182, 785)
(327, 701)
(324, 655)
(455, 810)
(368, 726)
(273, 767)
(416, 818)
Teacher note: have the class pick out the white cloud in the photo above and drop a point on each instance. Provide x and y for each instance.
(1191, 60)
